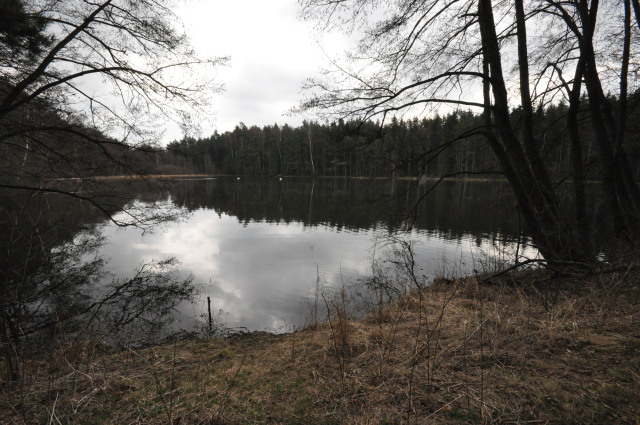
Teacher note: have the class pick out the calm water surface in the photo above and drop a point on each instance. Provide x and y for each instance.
(259, 248)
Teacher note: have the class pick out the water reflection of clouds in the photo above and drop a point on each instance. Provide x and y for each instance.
(261, 274)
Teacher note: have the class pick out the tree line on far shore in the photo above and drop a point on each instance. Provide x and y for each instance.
(435, 147)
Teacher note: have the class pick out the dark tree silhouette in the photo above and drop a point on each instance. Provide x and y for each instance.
(505, 59)
(83, 86)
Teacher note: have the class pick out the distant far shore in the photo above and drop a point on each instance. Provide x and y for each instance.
(185, 176)
(203, 176)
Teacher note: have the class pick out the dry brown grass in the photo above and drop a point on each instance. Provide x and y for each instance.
(521, 349)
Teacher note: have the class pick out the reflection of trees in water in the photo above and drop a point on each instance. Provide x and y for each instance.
(52, 284)
(452, 209)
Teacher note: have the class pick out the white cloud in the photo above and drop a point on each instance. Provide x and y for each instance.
(272, 53)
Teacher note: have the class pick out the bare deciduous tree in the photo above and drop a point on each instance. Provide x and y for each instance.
(105, 77)
(83, 85)
(504, 59)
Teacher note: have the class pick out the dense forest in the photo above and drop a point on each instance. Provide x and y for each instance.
(439, 146)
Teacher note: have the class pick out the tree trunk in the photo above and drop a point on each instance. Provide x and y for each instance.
(313, 168)
(583, 229)
(617, 191)
(540, 210)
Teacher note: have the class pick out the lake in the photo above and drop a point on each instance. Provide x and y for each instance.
(260, 249)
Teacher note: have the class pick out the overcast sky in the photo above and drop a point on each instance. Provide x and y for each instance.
(272, 52)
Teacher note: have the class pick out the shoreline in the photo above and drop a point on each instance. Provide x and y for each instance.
(525, 347)
(215, 176)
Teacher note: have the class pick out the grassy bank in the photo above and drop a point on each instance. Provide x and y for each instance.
(520, 349)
